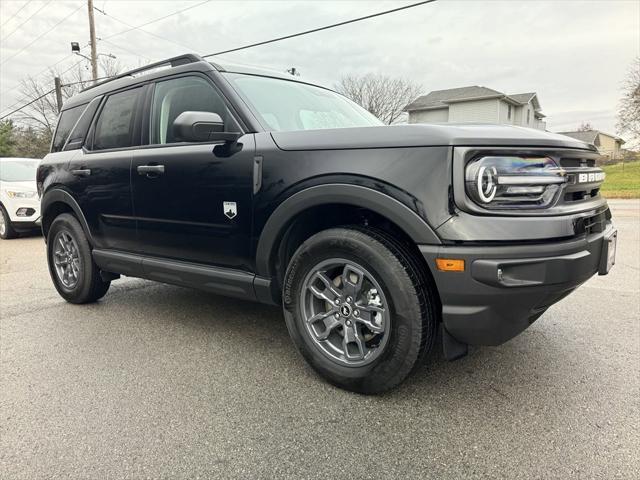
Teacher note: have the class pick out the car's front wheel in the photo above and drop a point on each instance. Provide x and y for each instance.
(6, 228)
(359, 307)
(74, 274)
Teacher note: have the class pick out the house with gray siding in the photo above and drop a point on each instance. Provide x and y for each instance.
(479, 105)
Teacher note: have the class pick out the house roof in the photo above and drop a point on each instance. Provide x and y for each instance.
(590, 136)
(442, 98)
(523, 97)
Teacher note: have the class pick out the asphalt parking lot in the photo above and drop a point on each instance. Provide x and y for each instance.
(163, 382)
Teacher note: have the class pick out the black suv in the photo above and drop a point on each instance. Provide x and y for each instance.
(373, 238)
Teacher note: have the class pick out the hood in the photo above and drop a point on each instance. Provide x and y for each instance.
(423, 135)
(29, 186)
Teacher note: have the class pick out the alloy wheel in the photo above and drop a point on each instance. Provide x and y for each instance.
(66, 259)
(345, 312)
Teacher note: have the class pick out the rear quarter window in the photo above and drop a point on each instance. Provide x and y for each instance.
(66, 121)
(77, 136)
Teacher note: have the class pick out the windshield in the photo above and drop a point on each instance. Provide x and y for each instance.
(287, 105)
(18, 170)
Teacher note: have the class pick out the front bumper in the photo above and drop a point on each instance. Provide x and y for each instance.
(504, 289)
(23, 212)
(27, 225)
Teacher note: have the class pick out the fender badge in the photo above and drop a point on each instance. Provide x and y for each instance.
(230, 209)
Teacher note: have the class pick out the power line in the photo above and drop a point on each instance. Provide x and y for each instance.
(14, 15)
(155, 20)
(319, 28)
(106, 39)
(27, 104)
(48, 93)
(123, 48)
(28, 18)
(40, 36)
(132, 27)
(45, 69)
(60, 74)
(346, 22)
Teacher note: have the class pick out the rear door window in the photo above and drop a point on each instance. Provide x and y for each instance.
(115, 125)
(66, 121)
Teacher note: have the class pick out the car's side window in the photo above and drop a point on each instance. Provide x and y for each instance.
(115, 125)
(79, 132)
(183, 94)
(67, 120)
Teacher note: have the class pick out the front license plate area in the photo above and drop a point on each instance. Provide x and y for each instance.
(609, 247)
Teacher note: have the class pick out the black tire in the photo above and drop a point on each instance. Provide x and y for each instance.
(410, 294)
(90, 285)
(9, 232)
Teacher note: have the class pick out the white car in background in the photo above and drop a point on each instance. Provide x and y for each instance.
(19, 202)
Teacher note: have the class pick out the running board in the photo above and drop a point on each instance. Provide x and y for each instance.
(222, 281)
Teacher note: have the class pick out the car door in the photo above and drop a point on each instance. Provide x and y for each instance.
(101, 171)
(192, 201)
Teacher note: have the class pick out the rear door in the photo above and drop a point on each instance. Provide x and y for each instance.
(101, 183)
(192, 200)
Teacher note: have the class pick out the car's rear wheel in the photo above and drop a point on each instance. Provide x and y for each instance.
(6, 228)
(74, 274)
(359, 308)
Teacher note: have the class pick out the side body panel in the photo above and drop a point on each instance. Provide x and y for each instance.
(418, 178)
(181, 214)
(99, 181)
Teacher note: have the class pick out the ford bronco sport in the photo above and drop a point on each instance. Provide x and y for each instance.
(373, 238)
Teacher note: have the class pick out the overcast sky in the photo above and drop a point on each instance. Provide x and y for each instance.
(574, 54)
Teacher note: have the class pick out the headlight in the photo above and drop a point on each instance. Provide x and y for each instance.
(14, 194)
(495, 182)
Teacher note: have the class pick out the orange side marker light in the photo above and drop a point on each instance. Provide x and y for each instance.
(450, 264)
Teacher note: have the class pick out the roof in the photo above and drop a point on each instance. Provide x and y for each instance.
(183, 63)
(590, 136)
(442, 98)
(523, 97)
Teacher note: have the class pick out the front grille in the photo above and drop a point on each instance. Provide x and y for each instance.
(584, 179)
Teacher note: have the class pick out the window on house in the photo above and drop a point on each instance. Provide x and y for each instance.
(528, 115)
(509, 112)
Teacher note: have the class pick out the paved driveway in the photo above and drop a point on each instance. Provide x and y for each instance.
(162, 382)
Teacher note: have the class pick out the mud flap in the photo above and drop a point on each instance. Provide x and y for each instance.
(452, 348)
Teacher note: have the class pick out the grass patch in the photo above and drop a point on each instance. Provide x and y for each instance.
(622, 183)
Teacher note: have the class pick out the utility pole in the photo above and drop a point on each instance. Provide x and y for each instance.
(58, 85)
(92, 35)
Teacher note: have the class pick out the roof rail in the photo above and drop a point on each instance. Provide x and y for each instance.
(173, 62)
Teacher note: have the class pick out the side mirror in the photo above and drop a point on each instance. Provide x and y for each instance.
(202, 127)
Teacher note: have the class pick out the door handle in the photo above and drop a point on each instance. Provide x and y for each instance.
(82, 172)
(150, 170)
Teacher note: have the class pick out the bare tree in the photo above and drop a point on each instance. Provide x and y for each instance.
(42, 113)
(585, 127)
(629, 112)
(383, 96)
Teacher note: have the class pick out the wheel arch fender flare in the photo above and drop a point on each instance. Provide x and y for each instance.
(57, 195)
(390, 208)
